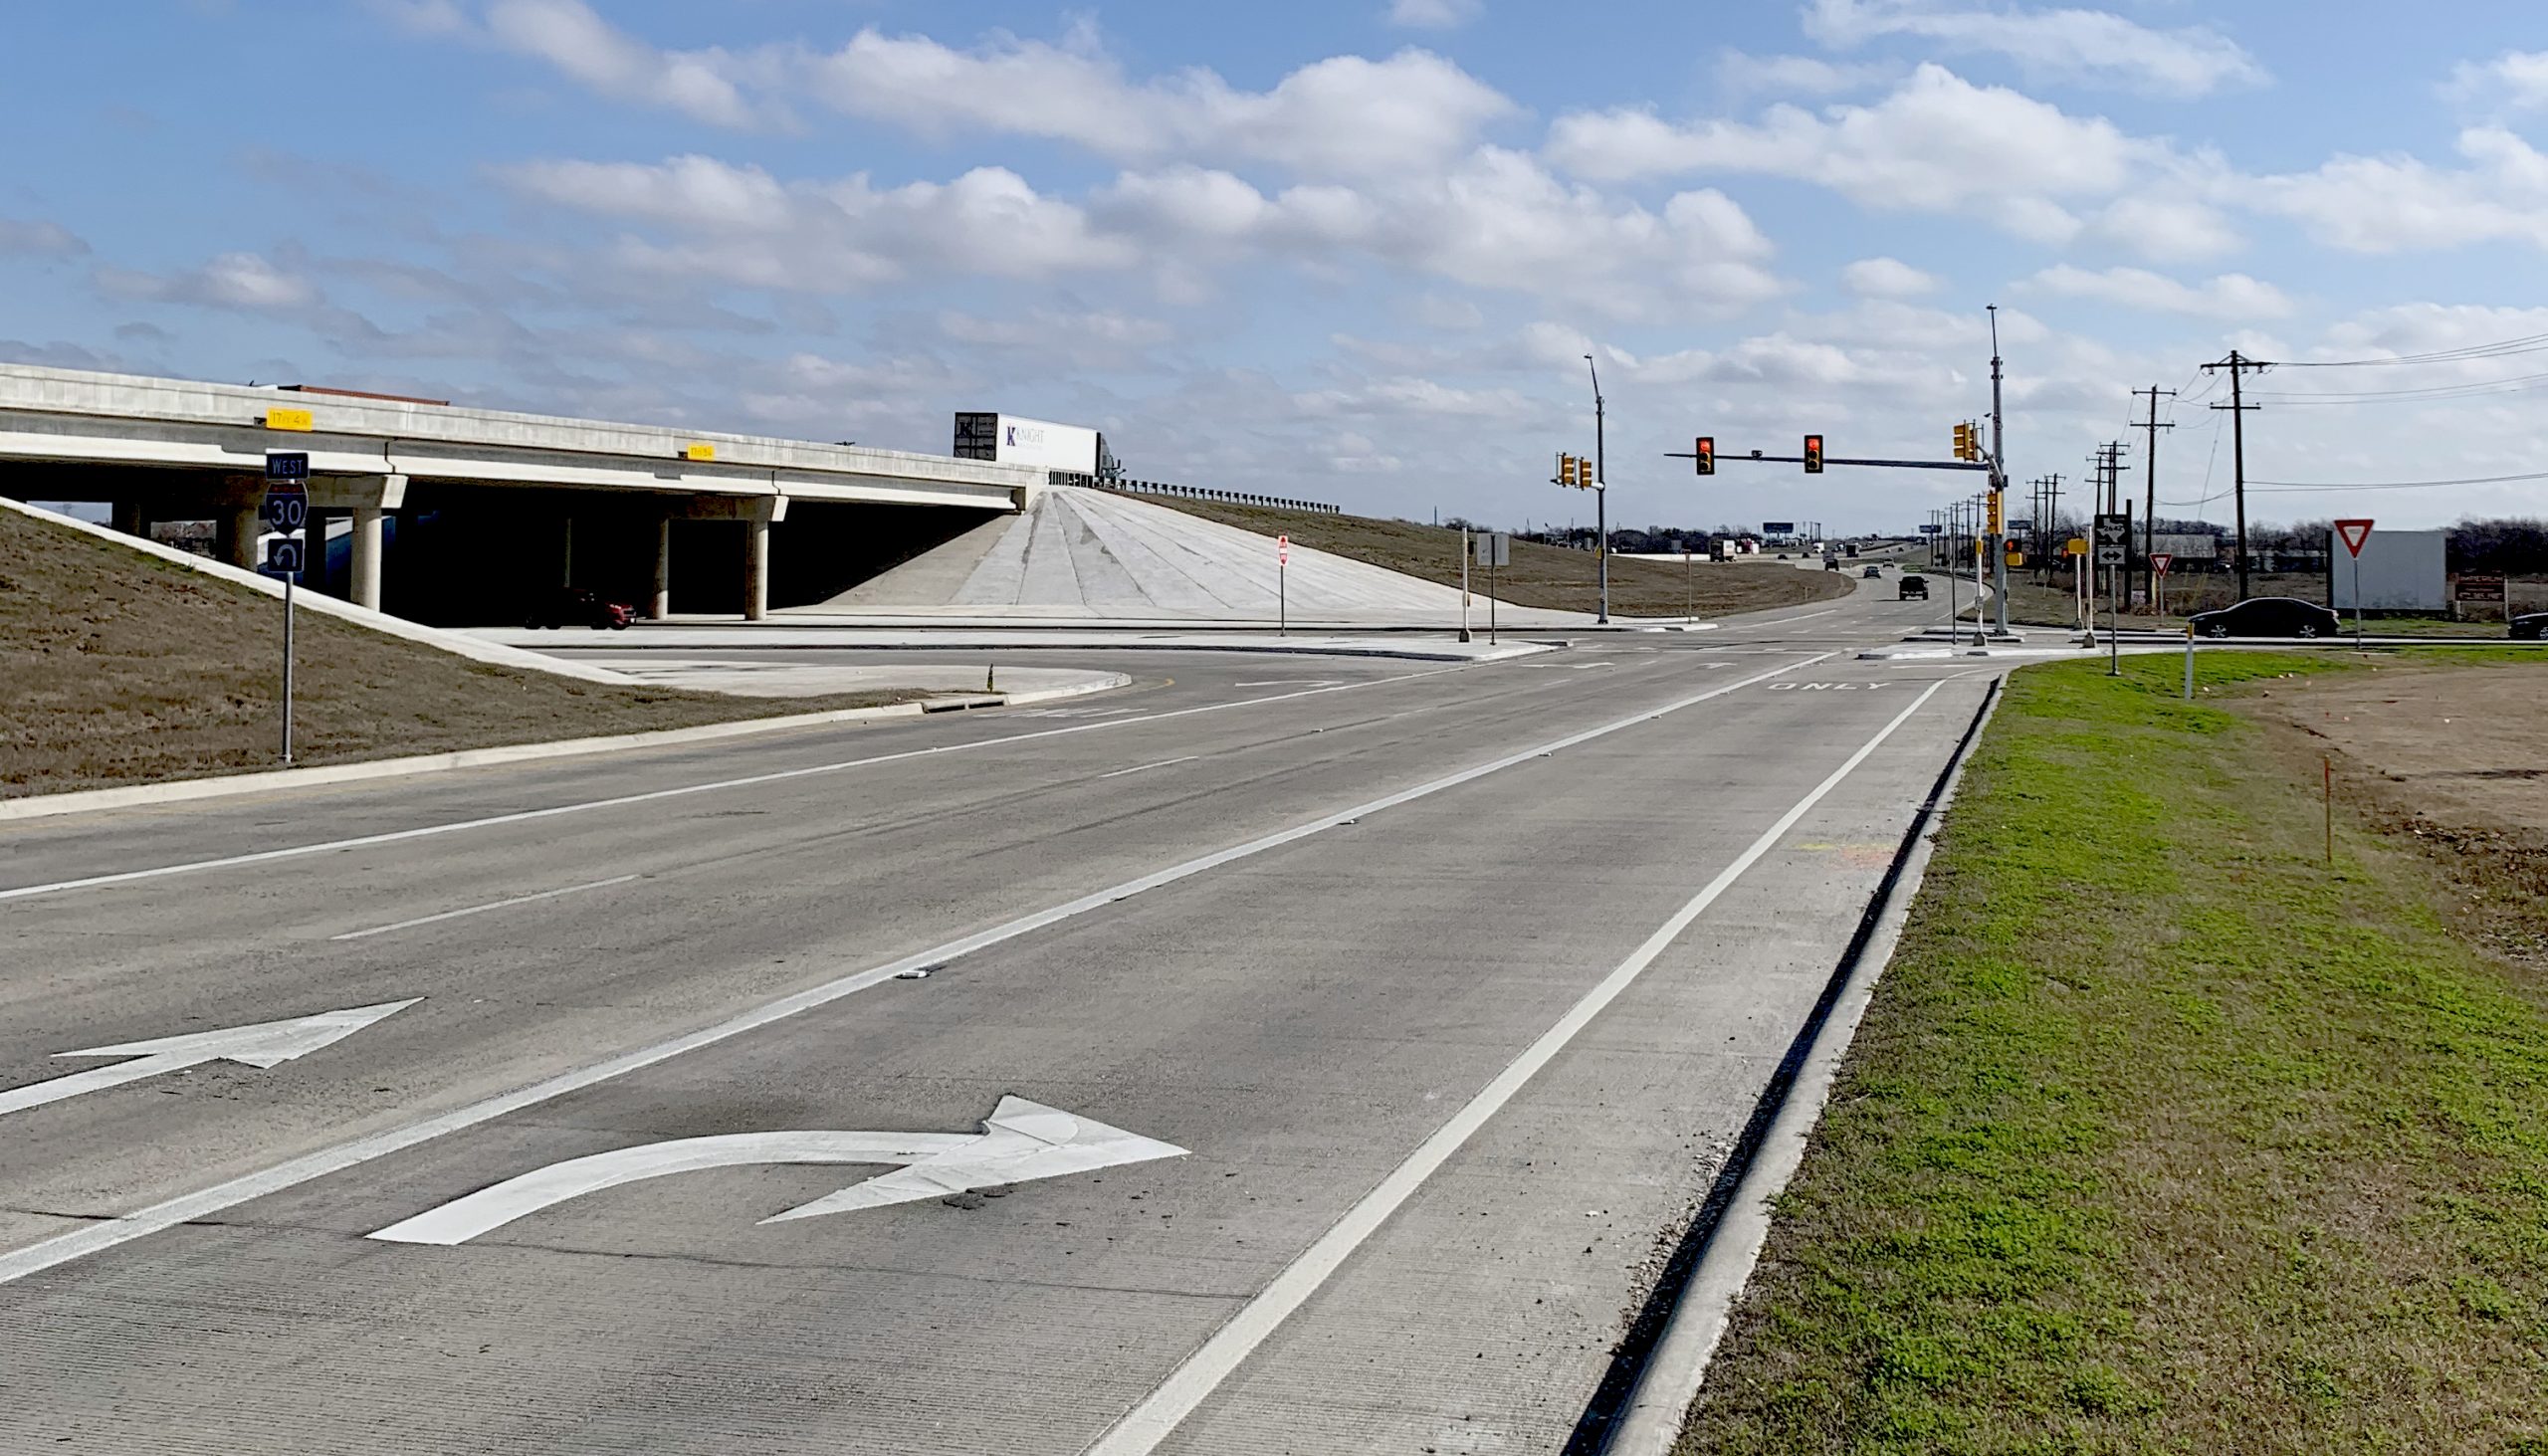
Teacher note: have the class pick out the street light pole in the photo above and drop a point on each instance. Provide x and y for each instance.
(1600, 493)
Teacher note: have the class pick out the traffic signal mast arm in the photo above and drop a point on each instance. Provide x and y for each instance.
(1979, 464)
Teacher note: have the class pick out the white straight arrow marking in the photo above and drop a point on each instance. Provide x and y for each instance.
(1020, 1141)
(262, 1045)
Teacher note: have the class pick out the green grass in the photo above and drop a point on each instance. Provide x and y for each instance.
(2160, 1134)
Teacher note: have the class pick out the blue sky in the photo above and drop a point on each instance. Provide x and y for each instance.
(1351, 251)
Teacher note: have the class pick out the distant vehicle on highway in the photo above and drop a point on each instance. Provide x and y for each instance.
(577, 606)
(1831, 564)
(2530, 626)
(1912, 588)
(2268, 616)
(1873, 573)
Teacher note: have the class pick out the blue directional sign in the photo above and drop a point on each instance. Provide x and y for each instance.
(286, 465)
(283, 556)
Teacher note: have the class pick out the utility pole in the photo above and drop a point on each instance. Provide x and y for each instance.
(1600, 493)
(1999, 479)
(2238, 408)
(2149, 489)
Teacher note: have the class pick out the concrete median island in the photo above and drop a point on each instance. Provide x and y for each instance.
(124, 667)
(2165, 1133)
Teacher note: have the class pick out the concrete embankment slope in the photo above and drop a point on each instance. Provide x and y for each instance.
(1089, 554)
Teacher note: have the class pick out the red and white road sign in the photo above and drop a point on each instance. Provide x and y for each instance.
(2355, 533)
(2160, 561)
(1282, 550)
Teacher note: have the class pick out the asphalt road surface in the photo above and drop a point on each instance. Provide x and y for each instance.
(1360, 1033)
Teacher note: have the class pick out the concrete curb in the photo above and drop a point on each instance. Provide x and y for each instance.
(1298, 647)
(1651, 1425)
(458, 643)
(187, 790)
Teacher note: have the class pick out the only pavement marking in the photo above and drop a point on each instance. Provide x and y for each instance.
(453, 914)
(106, 1234)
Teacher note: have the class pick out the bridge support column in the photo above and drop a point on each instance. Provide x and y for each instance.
(757, 514)
(369, 498)
(756, 568)
(245, 526)
(662, 606)
(126, 517)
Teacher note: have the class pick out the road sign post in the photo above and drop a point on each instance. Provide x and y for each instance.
(285, 508)
(2355, 534)
(1282, 586)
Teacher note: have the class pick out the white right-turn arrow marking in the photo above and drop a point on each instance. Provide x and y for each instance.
(1020, 1141)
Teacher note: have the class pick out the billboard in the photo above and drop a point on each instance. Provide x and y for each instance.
(1778, 527)
(2399, 571)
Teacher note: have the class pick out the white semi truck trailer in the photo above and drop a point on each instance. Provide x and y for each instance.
(1069, 450)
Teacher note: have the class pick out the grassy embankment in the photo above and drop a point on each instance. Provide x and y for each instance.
(1540, 576)
(2162, 1135)
(119, 668)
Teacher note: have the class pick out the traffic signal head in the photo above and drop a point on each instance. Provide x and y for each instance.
(1705, 453)
(1814, 455)
(1963, 441)
(1566, 470)
(1999, 512)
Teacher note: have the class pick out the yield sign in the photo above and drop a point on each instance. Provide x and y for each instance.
(2355, 533)
(1020, 1141)
(2160, 561)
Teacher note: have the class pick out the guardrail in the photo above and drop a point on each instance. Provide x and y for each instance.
(1196, 492)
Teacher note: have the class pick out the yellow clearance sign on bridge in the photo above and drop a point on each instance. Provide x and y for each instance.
(699, 450)
(289, 419)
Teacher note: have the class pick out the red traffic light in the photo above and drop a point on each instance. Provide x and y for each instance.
(1814, 455)
(1705, 451)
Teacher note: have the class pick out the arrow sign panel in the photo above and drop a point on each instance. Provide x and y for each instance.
(1020, 1141)
(262, 1045)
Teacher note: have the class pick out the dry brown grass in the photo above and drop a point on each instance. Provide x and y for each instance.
(1540, 576)
(121, 668)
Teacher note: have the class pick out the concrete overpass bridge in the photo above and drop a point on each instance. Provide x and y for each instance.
(458, 514)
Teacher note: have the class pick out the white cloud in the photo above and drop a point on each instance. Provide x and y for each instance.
(1434, 14)
(2515, 80)
(1343, 116)
(1740, 75)
(1937, 143)
(569, 36)
(742, 225)
(1496, 220)
(2389, 204)
(38, 239)
(1886, 277)
(2158, 222)
(2093, 44)
(2232, 295)
(242, 281)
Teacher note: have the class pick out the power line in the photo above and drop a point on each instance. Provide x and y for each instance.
(2286, 485)
(2501, 348)
(2466, 389)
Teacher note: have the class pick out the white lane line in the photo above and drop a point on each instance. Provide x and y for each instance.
(106, 1234)
(453, 914)
(1146, 1426)
(1162, 763)
(1804, 617)
(1580, 665)
(457, 826)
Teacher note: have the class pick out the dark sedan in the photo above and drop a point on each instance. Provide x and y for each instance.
(2530, 626)
(2268, 616)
